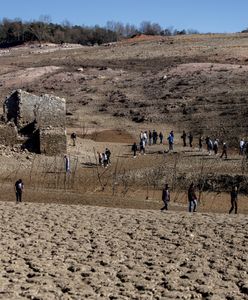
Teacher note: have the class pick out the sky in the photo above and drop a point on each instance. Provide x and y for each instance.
(216, 16)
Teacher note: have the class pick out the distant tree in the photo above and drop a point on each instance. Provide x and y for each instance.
(130, 30)
(181, 32)
(117, 27)
(149, 28)
(38, 30)
(192, 31)
(14, 32)
(167, 31)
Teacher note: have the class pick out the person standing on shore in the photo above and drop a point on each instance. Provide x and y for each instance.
(234, 200)
(192, 198)
(19, 186)
(165, 197)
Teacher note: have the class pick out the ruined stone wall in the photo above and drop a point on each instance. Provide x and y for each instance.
(8, 135)
(40, 119)
(25, 108)
(52, 141)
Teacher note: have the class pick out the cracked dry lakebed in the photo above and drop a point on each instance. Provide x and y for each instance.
(51, 251)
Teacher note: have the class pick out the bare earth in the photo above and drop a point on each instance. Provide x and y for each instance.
(51, 251)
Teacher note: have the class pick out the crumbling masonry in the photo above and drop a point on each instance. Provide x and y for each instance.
(38, 120)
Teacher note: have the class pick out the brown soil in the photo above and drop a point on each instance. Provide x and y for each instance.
(81, 252)
(114, 91)
(102, 251)
(111, 136)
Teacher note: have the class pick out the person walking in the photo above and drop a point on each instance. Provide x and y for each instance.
(108, 154)
(134, 149)
(184, 138)
(215, 146)
(105, 159)
(192, 198)
(150, 137)
(142, 147)
(224, 151)
(145, 137)
(200, 143)
(67, 164)
(234, 200)
(19, 186)
(73, 137)
(154, 137)
(99, 154)
(161, 137)
(165, 197)
(241, 147)
(190, 139)
(171, 140)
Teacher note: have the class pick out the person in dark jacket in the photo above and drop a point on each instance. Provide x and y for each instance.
(224, 151)
(134, 149)
(171, 140)
(150, 137)
(216, 146)
(154, 137)
(234, 200)
(190, 139)
(200, 143)
(108, 154)
(161, 137)
(165, 197)
(184, 138)
(18, 190)
(192, 198)
(74, 137)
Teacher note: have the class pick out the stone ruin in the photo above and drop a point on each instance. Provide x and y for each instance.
(35, 122)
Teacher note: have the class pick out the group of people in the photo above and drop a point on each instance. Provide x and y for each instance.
(152, 138)
(148, 138)
(213, 144)
(104, 158)
(192, 198)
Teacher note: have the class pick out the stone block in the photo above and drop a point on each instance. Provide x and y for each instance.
(52, 141)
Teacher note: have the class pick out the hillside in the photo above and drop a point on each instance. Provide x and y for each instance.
(195, 83)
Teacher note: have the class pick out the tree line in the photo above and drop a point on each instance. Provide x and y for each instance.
(16, 32)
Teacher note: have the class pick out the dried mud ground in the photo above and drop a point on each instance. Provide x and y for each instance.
(51, 251)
